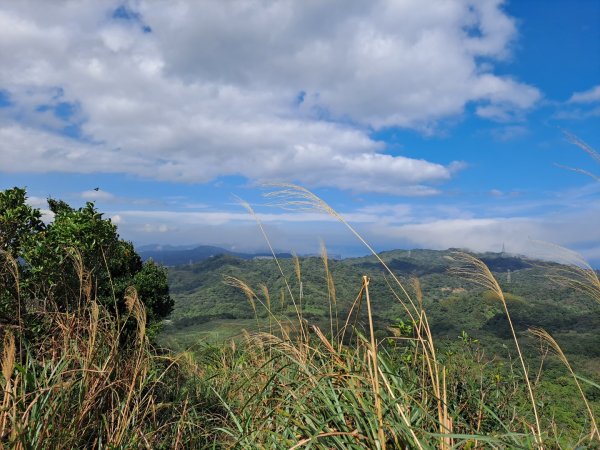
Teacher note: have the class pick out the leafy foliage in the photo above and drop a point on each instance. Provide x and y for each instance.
(78, 251)
(19, 222)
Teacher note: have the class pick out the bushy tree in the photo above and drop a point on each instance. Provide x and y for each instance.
(76, 256)
(19, 222)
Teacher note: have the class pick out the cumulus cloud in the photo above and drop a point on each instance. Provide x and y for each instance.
(271, 91)
(581, 105)
(590, 96)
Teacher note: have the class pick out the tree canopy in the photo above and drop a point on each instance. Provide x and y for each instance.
(77, 255)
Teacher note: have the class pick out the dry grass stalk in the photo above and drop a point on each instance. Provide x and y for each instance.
(291, 197)
(8, 365)
(112, 285)
(253, 298)
(303, 331)
(298, 271)
(416, 285)
(8, 357)
(475, 270)
(574, 272)
(355, 434)
(247, 290)
(12, 266)
(582, 145)
(334, 352)
(136, 309)
(82, 274)
(93, 330)
(133, 407)
(587, 173)
(425, 344)
(331, 295)
(375, 366)
(282, 298)
(355, 305)
(296, 197)
(446, 419)
(297, 267)
(586, 148)
(547, 338)
(267, 295)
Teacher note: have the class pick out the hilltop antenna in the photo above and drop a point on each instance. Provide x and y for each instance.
(409, 253)
(503, 249)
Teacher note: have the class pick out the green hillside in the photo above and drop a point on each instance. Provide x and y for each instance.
(203, 300)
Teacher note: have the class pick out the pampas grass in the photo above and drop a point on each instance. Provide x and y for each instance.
(544, 336)
(475, 271)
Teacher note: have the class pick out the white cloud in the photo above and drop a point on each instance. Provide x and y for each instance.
(383, 225)
(509, 133)
(581, 105)
(156, 228)
(577, 113)
(225, 217)
(590, 96)
(474, 234)
(502, 194)
(520, 235)
(47, 215)
(97, 195)
(285, 90)
(36, 202)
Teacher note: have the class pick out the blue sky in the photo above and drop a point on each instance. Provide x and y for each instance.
(427, 127)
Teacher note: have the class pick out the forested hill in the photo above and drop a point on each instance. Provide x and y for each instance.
(205, 306)
(174, 256)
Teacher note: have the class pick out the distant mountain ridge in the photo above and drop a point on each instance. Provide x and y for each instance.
(180, 255)
(170, 255)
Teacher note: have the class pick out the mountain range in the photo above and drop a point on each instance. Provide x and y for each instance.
(179, 255)
(207, 306)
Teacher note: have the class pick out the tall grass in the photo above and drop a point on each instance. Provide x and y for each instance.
(473, 269)
(92, 381)
(311, 388)
(344, 388)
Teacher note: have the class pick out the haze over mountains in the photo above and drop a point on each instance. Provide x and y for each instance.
(175, 255)
(170, 255)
